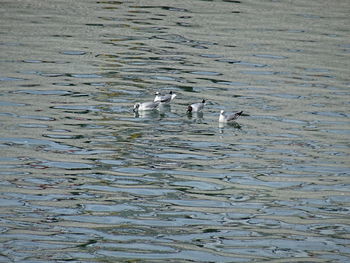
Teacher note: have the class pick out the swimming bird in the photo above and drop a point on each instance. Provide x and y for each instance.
(228, 117)
(195, 107)
(146, 106)
(165, 98)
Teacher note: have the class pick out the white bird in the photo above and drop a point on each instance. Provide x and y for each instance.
(146, 106)
(164, 98)
(196, 107)
(228, 117)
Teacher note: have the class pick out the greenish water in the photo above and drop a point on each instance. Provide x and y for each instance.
(83, 179)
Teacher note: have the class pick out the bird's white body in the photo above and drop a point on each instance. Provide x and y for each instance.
(228, 117)
(145, 106)
(196, 107)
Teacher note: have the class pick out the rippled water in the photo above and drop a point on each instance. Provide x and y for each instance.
(84, 180)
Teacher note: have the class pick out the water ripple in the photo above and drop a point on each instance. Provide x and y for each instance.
(85, 179)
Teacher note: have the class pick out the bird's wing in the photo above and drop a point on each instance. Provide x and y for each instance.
(165, 98)
(234, 116)
(151, 104)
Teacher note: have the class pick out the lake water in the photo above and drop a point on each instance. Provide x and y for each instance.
(83, 179)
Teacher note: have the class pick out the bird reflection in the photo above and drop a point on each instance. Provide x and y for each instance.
(196, 116)
(164, 108)
(233, 124)
(146, 114)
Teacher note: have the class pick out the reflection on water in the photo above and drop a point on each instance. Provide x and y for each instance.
(84, 179)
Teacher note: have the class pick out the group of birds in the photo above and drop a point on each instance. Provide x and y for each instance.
(195, 107)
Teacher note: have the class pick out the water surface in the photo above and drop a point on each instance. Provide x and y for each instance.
(83, 179)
